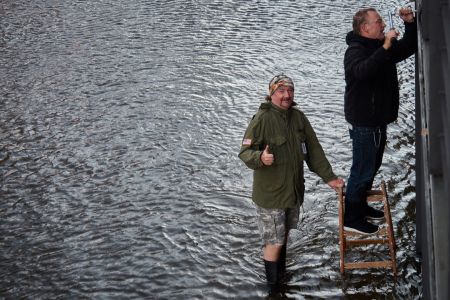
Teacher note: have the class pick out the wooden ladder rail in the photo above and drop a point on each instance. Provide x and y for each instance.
(384, 236)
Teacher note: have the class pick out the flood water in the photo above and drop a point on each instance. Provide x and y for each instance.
(121, 122)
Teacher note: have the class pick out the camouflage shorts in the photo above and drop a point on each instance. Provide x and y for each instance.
(274, 223)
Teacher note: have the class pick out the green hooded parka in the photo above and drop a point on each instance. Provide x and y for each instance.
(291, 140)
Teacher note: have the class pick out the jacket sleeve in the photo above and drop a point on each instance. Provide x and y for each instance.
(406, 46)
(316, 159)
(363, 66)
(251, 146)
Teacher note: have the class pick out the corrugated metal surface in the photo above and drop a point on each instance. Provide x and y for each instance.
(433, 146)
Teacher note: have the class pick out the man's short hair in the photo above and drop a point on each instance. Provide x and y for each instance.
(360, 18)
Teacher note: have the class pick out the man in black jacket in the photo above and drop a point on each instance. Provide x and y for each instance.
(371, 102)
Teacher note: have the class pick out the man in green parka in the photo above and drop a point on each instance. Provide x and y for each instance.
(277, 141)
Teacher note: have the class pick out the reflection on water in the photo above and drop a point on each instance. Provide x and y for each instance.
(120, 127)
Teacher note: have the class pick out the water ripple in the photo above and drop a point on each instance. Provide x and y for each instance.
(120, 128)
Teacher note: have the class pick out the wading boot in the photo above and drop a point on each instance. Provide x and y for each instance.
(272, 277)
(281, 268)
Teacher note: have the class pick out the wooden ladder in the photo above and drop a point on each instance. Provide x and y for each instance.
(385, 235)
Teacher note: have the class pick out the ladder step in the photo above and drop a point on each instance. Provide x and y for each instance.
(367, 242)
(375, 198)
(381, 233)
(369, 264)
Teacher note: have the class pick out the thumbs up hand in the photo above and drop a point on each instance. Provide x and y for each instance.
(267, 157)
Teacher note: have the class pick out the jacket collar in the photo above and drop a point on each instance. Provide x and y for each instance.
(270, 105)
(356, 38)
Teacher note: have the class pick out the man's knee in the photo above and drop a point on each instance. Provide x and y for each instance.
(272, 252)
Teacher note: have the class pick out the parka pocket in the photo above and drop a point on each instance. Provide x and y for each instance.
(271, 178)
(276, 145)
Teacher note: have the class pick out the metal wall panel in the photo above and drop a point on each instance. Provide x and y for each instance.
(433, 146)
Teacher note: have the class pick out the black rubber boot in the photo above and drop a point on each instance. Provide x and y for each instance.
(281, 268)
(272, 277)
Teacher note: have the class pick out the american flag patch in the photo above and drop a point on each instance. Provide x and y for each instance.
(246, 142)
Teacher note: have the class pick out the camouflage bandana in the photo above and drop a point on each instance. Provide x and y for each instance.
(278, 81)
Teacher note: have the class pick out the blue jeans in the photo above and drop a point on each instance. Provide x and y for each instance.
(368, 147)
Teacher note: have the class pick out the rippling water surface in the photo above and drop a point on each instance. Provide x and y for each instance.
(120, 127)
